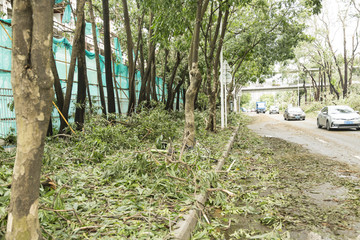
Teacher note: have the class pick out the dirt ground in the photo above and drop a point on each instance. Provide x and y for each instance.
(287, 192)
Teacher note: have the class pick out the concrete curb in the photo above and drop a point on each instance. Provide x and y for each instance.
(184, 227)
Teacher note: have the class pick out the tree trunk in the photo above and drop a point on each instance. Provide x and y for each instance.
(97, 60)
(178, 100)
(145, 90)
(305, 91)
(345, 88)
(50, 128)
(195, 79)
(116, 89)
(214, 87)
(107, 53)
(132, 93)
(163, 97)
(75, 52)
(81, 87)
(332, 87)
(57, 87)
(153, 79)
(170, 91)
(32, 83)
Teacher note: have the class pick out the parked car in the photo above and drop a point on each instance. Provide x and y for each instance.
(295, 113)
(338, 117)
(274, 109)
(243, 109)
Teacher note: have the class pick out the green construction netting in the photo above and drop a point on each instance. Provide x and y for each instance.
(67, 14)
(62, 50)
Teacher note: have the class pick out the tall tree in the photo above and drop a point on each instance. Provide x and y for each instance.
(32, 83)
(107, 53)
(97, 59)
(214, 40)
(74, 54)
(82, 83)
(129, 42)
(195, 77)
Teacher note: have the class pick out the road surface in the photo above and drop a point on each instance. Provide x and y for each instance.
(340, 145)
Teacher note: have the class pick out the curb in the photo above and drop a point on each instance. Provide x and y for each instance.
(185, 226)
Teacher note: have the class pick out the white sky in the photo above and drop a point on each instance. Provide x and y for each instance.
(331, 13)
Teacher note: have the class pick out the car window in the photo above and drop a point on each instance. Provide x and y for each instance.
(339, 110)
(324, 110)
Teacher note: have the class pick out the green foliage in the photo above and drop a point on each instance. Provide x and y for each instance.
(10, 138)
(118, 179)
(245, 99)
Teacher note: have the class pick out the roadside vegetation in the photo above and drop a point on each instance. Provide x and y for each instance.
(126, 180)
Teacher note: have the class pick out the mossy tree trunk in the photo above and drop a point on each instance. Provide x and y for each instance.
(32, 83)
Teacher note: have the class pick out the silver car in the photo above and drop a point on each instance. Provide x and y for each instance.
(295, 113)
(338, 117)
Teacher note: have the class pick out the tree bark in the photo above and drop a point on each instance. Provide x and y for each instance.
(132, 93)
(75, 52)
(195, 79)
(57, 84)
(107, 53)
(145, 90)
(97, 60)
(153, 79)
(214, 88)
(170, 91)
(32, 83)
(81, 86)
(163, 97)
(116, 89)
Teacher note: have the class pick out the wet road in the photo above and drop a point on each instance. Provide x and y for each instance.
(341, 145)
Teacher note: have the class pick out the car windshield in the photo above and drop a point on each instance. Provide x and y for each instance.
(340, 110)
(295, 110)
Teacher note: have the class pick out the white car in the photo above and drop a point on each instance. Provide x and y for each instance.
(274, 109)
(338, 117)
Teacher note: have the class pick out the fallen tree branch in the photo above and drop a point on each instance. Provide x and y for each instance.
(91, 228)
(177, 178)
(228, 170)
(231, 194)
(64, 210)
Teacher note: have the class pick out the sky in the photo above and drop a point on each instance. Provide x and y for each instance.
(331, 12)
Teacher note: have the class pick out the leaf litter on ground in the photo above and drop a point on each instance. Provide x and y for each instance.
(282, 192)
(119, 181)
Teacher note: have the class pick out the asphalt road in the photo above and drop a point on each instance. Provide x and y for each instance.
(340, 145)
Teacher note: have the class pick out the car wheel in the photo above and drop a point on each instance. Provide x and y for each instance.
(328, 125)
(318, 124)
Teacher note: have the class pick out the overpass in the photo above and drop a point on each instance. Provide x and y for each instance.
(275, 88)
(257, 92)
